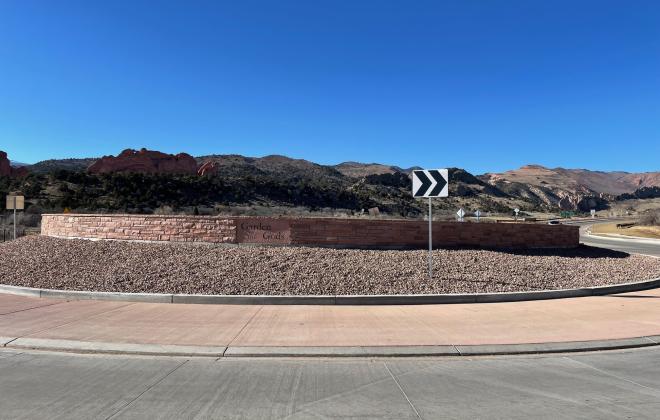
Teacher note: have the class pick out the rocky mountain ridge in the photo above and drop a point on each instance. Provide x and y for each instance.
(571, 188)
(532, 187)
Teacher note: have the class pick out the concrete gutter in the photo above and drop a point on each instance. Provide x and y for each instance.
(114, 348)
(456, 350)
(333, 299)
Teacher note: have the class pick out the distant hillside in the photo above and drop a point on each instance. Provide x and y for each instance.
(570, 188)
(358, 170)
(267, 185)
(277, 182)
(578, 180)
(17, 164)
(234, 165)
(74, 165)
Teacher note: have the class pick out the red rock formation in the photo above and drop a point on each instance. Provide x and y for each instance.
(145, 161)
(5, 167)
(19, 172)
(7, 170)
(208, 168)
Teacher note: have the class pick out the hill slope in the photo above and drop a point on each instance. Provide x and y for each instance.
(578, 180)
(571, 188)
(51, 165)
(267, 185)
(358, 170)
(280, 182)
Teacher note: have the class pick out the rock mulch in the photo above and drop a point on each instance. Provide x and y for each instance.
(116, 266)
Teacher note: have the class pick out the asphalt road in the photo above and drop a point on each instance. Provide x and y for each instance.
(630, 246)
(623, 245)
(599, 385)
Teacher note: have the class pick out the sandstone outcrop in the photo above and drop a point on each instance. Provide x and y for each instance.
(5, 167)
(585, 202)
(145, 161)
(571, 189)
(7, 170)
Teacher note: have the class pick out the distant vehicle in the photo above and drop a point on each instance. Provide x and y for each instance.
(553, 222)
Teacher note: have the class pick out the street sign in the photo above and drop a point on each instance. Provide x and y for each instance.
(478, 214)
(15, 202)
(460, 213)
(593, 213)
(431, 183)
(517, 210)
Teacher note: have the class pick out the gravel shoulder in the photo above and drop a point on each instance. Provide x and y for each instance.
(116, 266)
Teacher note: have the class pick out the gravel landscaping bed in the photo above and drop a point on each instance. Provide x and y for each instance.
(116, 266)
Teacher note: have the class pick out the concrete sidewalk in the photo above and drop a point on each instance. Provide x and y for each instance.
(615, 321)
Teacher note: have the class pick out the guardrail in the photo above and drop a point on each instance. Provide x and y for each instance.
(625, 225)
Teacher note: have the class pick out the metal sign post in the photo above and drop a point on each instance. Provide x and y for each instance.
(430, 240)
(478, 214)
(516, 210)
(14, 217)
(430, 183)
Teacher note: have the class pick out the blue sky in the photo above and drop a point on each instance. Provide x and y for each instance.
(483, 85)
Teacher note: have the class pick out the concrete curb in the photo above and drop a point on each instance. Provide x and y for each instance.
(115, 348)
(342, 351)
(6, 340)
(566, 347)
(87, 347)
(332, 299)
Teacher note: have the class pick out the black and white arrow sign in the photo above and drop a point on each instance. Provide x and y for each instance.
(431, 183)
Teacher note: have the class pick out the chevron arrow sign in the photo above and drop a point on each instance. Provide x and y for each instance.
(431, 183)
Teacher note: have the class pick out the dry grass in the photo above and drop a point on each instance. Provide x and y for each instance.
(652, 232)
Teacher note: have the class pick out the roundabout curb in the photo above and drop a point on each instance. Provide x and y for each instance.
(333, 299)
(218, 352)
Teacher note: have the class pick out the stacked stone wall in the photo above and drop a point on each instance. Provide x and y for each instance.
(345, 233)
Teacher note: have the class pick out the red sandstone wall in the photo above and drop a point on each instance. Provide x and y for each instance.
(403, 233)
(140, 228)
(353, 233)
